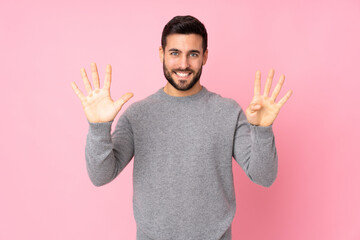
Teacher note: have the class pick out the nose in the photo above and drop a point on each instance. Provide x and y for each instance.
(184, 62)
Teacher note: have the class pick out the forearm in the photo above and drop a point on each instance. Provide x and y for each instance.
(263, 163)
(108, 154)
(100, 160)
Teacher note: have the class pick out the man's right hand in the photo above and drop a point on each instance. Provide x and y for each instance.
(98, 105)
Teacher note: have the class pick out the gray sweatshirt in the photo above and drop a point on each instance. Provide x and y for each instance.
(182, 148)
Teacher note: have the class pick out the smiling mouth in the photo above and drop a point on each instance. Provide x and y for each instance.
(183, 74)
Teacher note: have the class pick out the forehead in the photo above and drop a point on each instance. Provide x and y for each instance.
(184, 42)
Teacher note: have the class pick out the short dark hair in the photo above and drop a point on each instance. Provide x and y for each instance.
(184, 25)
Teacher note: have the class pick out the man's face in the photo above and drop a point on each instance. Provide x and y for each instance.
(183, 59)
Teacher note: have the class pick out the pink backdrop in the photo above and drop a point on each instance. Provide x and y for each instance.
(45, 190)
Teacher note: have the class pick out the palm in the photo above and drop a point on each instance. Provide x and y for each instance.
(263, 110)
(98, 105)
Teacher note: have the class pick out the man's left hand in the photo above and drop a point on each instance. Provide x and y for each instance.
(263, 110)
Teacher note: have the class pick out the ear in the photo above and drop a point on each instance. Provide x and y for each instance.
(161, 54)
(205, 57)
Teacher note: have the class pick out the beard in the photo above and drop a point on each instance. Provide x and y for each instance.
(181, 87)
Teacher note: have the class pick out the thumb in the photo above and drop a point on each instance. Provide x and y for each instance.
(254, 107)
(120, 102)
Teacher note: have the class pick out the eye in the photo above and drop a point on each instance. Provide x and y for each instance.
(174, 53)
(194, 54)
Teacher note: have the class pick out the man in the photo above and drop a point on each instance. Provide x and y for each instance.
(182, 138)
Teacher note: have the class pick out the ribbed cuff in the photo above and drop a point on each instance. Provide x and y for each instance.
(262, 132)
(102, 128)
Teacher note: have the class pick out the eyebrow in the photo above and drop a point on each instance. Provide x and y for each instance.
(177, 50)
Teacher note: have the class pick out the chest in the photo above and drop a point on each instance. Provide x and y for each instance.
(184, 129)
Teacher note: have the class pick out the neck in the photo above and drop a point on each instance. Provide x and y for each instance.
(170, 90)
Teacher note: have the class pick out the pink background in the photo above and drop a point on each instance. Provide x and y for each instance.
(45, 190)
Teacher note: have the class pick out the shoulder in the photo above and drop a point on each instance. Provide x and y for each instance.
(142, 105)
(223, 102)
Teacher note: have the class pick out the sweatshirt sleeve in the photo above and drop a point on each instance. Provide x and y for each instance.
(108, 154)
(255, 151)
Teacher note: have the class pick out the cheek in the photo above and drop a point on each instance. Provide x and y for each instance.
(170, 63)
(196, 64)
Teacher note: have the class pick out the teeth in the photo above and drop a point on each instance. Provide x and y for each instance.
(182, 74)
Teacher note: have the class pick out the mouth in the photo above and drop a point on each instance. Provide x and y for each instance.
(182, 74)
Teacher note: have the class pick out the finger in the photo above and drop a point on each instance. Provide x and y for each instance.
(269, 82)
(278, 88)
(95, 76)
(119, 103)
(85, 80)
(257, 83)
(77, 91)
(107, 82)
(285, 98)
(254, 107)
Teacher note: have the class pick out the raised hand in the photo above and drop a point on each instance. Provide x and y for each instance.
(263, 110)
(98, 105)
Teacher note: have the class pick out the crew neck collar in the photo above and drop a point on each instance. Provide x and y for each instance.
(195, 96)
